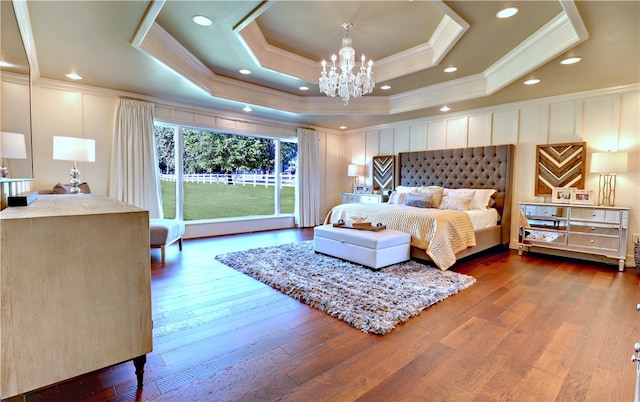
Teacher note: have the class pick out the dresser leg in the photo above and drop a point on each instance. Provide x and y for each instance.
(138, 363)
(620, 265)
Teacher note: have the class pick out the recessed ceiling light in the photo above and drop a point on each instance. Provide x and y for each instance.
(247, 108)
(244, 71)
(445, 109)
(450, 69)
(202, 20)
(343, 127)
(74, 76)
(303, 88)
(385, 87)
(5, 64)
(571, 60)
(532, 81)
(507, 12)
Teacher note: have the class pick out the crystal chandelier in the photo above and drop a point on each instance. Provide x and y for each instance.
(346, 84)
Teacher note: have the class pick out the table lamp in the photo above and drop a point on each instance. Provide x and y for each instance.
(12, 146)
(76, 150)
(355, 171)
(607, 164)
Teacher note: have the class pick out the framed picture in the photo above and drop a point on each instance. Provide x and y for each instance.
(383, 172)
(582, 197)
(561, 194)
(361, 189)
(560, 165)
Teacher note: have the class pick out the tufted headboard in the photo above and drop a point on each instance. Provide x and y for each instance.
(476, 167)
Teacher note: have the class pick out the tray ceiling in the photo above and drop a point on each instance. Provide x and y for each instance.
(154, 49)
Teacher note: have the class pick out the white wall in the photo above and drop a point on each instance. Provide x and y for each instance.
(15, 118)
(72, 110)
(605, 119)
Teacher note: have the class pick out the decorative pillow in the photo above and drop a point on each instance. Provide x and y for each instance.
(435, 192)
(397, 198)
(405, 189)
(418, 200)
(458, 200)
(481, 199)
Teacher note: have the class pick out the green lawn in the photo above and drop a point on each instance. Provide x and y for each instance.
(210, 201)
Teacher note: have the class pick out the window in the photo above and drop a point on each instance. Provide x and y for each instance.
(224, 175)
(165, 148)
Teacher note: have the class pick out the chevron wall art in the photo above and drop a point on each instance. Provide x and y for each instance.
(560, 165)
(383, 172)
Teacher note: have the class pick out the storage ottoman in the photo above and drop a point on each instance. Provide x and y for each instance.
(369, 248)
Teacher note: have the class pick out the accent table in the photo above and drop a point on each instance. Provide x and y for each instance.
(575, 228)
(75, 294)
(348, 198)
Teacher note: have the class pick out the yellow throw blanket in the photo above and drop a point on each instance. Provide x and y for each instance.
(440, 233)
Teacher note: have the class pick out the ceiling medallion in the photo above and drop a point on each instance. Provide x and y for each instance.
(346, 84)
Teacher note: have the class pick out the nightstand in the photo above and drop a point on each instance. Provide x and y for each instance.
(586, 229)
(349, 198)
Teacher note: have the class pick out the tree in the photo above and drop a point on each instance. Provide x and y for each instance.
(289, 151)
(212, 152)
(165, 145)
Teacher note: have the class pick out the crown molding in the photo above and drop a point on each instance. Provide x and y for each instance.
(550, 41)
(24, 25)
(276, 59)
(571, 97)
(558, 35)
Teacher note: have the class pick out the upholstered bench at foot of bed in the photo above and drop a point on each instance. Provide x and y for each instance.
(163, 232)
(369, 248)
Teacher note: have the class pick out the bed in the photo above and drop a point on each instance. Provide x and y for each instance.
(448, 235)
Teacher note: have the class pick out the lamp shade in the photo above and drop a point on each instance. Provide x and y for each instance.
(609, 162)
(354, 170)
(12, 146)
(74, 149)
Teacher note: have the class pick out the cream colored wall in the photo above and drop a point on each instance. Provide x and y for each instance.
(15, 118)
(604, 119)
(81, 111)
(75, 113)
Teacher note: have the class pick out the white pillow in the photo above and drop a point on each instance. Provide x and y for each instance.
(481, 197)
(400, 194)
(405, 189)
(458, 199)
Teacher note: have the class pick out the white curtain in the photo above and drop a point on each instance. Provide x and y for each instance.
(134, 175)
(307, 208)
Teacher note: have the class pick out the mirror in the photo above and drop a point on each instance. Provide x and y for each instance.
(15, 102)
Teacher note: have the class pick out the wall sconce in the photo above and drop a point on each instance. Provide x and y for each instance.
(12, 146)
(355, 171)
(76, 150)
(607, 164)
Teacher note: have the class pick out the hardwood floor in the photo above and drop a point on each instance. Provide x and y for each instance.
(532, 328)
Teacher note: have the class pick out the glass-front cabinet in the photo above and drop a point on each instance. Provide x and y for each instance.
(596, 230)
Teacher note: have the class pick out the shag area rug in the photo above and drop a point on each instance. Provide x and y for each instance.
(372, 301)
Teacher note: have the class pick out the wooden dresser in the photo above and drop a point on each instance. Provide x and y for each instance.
(583, 230)
(75, 289)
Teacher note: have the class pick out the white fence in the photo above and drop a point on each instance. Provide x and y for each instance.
(244, 179)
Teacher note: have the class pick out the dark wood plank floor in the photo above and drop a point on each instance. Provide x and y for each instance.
(532, 328)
